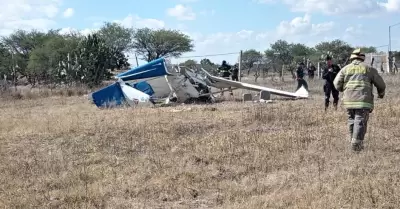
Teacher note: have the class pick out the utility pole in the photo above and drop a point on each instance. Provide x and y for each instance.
(137, 62)
(240, 65)
(390, 48)
(69, 60)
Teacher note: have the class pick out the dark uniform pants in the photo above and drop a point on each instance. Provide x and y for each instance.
(225, 74)
(301, 82)
(235, 78)
(311, 75)
(358, 122)
(227, 77)
(330, 89)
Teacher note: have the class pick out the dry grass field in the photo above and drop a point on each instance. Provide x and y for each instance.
(63, 152)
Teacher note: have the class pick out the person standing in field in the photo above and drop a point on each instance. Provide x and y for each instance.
(235, 73)
(225, 72)
(329, 74)
(300, 77)
(311, 71)
(356, 81)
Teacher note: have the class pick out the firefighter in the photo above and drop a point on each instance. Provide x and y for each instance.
(300, 76)
(356, 81)
(224, 72)
(235, 73)
(329, 74)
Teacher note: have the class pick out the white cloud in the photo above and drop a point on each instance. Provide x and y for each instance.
(265, 1)
(391, 5)
(340, 7)
(181, 12)
(299, 29)
(207, 12)
(354, 34)
(226, 43)
(85, 32)
(68, 13)
(355, 30)
(129, 21)
(138, 22)
(27, 14)
(302, 25)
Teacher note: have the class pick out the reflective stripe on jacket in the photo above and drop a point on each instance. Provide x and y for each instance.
(356, 81)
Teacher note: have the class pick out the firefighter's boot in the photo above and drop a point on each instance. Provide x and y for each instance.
(357, 145)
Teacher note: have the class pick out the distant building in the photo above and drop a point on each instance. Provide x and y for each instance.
(380, 59)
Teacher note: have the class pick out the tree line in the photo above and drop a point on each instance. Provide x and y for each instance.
(53, 58)
(282, 54)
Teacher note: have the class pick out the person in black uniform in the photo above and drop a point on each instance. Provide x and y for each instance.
(300, 77)
(225, 72)
(311, 71)
(235, 73)
(329, 74)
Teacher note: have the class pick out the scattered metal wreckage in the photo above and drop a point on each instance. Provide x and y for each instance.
(185, 86)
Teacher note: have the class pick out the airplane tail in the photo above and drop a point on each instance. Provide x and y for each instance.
(302, 92)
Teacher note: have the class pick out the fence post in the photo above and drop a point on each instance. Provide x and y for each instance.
(240, 65)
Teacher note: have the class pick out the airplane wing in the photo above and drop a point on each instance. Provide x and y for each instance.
(219, 82)
(155, 68)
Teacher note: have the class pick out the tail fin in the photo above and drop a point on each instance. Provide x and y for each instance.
(302, 92)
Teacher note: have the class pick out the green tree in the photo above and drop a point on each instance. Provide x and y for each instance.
(152, 44)
(119, 39)
(22, 43)
(209, 66)
(281, 50)
(249, 58)
(49, 62)
(301, 52)
(190, 63)
(284, 54)
(339, 49)
(206, 61)
(38, 65)
(367, 49)
(117, 36)
(5, 62)
(95, 59)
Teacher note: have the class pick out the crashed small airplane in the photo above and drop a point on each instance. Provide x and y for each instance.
(184, 86)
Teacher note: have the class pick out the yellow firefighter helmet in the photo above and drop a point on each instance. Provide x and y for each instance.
(357, 54)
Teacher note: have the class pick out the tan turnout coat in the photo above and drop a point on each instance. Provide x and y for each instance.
(356, 81)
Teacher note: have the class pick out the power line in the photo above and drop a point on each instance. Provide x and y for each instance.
(380, 46)
(209, 55)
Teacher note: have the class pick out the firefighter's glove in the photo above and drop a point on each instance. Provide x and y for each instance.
(381, 95)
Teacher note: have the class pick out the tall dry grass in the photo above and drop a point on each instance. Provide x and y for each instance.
(22, 92)
(63, 152)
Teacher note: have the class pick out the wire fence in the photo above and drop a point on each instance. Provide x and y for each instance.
(268, 69)
(210, 55)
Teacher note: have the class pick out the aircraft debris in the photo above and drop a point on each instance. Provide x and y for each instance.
(185, 86)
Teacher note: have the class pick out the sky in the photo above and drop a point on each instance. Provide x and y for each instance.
(219, 26)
